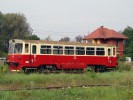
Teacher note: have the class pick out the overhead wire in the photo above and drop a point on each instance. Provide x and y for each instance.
(60, 33)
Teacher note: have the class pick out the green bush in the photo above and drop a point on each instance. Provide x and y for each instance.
(123, 66)
(3, 70)
(3, 54)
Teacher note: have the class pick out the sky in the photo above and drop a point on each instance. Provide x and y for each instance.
(61, 18)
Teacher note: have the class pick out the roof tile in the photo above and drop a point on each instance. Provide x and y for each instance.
(104, 33)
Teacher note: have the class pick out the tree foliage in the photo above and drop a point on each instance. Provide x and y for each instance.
(31, 37)
(128, 31)
(48, 38)
(65, 39)
(12, 25)
(79, 38)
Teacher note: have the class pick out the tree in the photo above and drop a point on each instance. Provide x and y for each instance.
(128, 31)
(65, 39)
(12, 25)
(16, 25)
(48, 38)
(31, 37)
(129, 50)
(79, 38)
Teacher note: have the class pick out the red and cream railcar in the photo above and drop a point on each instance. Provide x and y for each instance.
(43, 55)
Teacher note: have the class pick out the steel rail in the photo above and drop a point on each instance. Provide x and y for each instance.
(55, 87)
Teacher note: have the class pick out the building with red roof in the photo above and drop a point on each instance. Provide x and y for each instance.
(104, 35)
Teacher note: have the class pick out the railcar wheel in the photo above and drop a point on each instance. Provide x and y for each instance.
(53, 69)
(91, 68)
(26, 71)
(40, 69)
(99, 68)
(81, 71)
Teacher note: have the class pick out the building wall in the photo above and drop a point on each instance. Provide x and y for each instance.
(96, 41)
(119, 45)
(120, 48)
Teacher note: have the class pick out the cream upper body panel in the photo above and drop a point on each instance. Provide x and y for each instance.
(108, 50)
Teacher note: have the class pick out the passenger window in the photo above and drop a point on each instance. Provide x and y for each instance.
(100, 51)
(114, 51)
(34, 49)
(109, 52)
(80, 51)
(57, 50)
(26, 48)
(90, 51)
(45, 49)
(69, 50)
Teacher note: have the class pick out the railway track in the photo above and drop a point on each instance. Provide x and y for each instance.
(50, 88)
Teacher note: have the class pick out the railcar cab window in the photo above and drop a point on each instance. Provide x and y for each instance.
(45, 49)
(80, 51)
(69, 50)
(11, 49)
(57, 50)
(18, 48)
(90, 51)
(100, 51)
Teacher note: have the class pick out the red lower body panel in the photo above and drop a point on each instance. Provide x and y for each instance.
(61, 61)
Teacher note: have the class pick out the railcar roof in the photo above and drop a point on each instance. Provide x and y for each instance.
(59, 42)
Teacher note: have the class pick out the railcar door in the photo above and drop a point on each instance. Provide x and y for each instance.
(33, 55)
(109, 54)
(29, 58)
(26, 58)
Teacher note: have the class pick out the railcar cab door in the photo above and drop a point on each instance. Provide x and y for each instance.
(27, 59)
(109, 54)
(33, 55)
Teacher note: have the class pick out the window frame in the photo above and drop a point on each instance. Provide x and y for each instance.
(35, 49)
(69, 50)
(16, 51)
(59, 49)
(92, 51)
(80, 50)
(99, 52)
(48, 50)
(114, 51)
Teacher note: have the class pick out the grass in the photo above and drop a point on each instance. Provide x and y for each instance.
(121, 89)
(125, 66)
(95, 93)
(120, 77)
(20, 80)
